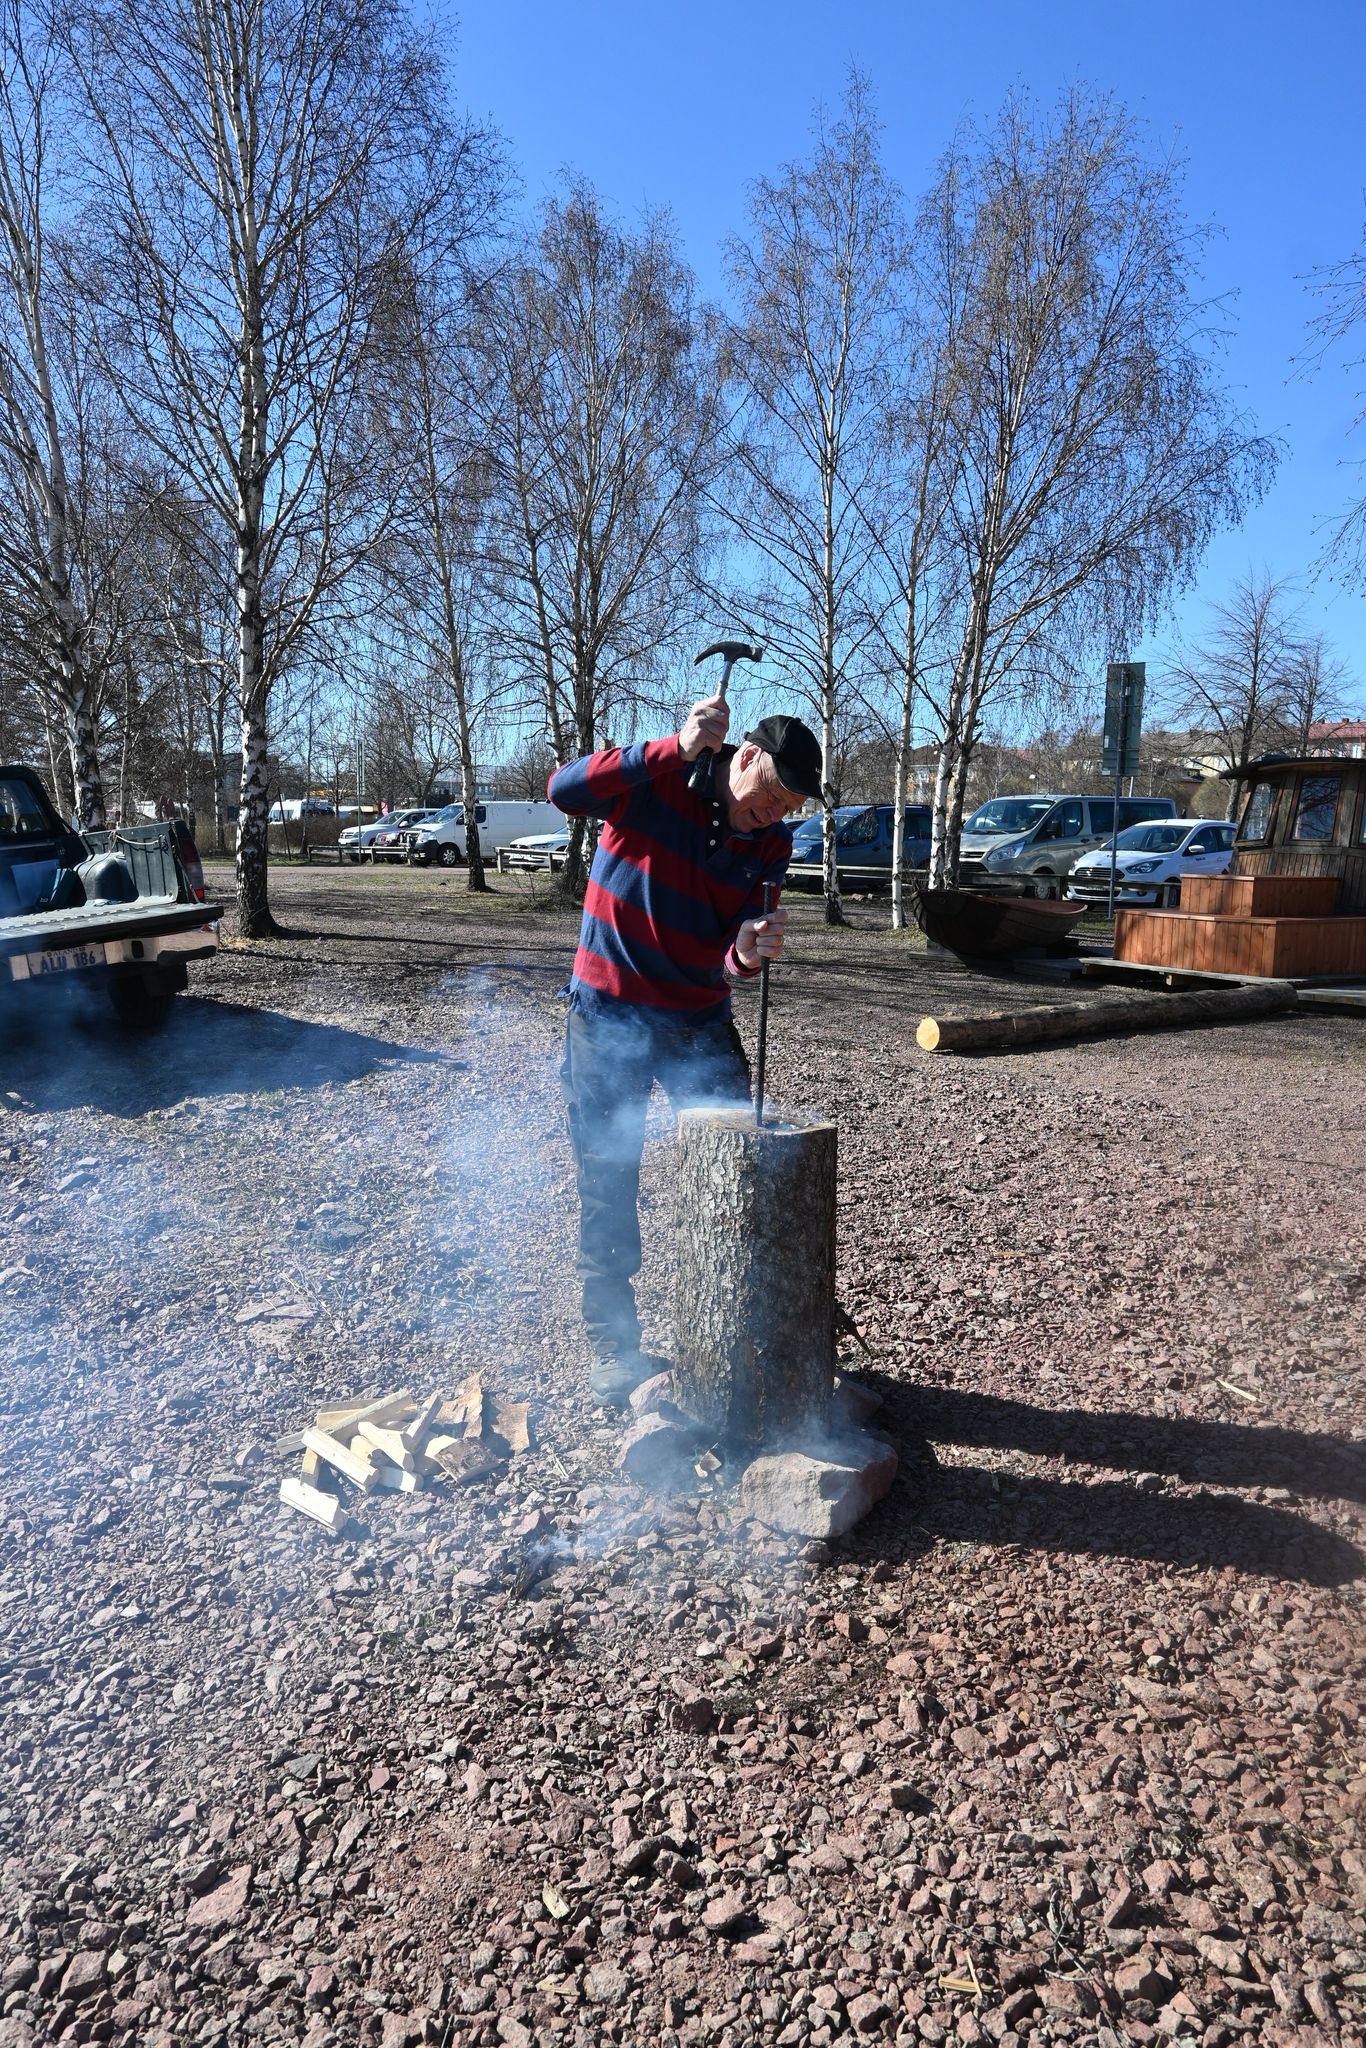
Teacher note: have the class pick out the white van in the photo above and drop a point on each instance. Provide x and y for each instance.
(1045, 836)
(441, 841)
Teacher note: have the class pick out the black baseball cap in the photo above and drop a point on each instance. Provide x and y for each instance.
(795, 750)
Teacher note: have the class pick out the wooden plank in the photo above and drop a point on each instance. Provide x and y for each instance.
(423, 1422)
(390, 1445)
(350, 1414)
(389, 1476)
(351, 1464)
(320, 1507)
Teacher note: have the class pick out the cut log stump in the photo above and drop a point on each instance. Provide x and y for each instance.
(754, 1340)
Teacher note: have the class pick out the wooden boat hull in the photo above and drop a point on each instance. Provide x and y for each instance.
(984, 927)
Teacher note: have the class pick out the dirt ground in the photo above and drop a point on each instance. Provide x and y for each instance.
(1063, 1744)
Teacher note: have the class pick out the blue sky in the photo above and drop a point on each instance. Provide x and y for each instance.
(684, 106)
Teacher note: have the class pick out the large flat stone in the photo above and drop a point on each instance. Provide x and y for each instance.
(821, 1490)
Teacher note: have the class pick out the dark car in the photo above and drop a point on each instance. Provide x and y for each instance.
(863, 846)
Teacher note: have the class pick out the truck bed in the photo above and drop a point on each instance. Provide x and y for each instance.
(48, 930)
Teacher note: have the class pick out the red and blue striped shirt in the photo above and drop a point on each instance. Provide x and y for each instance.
(670, 884)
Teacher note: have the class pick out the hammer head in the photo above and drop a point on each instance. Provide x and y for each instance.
(732, 650)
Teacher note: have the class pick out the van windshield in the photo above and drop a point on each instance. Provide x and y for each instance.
(1152, 838)
(1009, 814)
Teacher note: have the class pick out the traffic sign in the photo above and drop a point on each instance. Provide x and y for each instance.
(1124, 681)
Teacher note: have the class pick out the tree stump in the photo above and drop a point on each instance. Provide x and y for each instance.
(754, 1339)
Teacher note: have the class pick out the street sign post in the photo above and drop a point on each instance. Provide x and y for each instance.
(1124, 681)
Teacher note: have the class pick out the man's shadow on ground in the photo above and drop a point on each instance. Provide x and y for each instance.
(1114, 1517)
(72, 1053)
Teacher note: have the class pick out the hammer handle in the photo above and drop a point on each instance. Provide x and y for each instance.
(701, 773)
(761, 1050)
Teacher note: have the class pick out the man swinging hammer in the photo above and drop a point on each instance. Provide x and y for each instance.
(672, 921)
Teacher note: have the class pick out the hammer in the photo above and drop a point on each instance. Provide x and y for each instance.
(699, 780)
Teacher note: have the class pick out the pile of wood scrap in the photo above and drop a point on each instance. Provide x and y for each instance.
(400, 1443)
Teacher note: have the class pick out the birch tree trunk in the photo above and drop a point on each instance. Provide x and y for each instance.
(253, 816)
(36, 527)
(834, 907)
(903, 765)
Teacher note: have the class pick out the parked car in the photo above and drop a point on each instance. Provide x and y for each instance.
(1151, 859)
(1042, 837)
(296, 807)
(441, 841)
(358, 840)
(863, 845)
(536, 850)
(390, 841)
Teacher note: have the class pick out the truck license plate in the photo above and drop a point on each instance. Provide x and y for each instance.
(62, 963)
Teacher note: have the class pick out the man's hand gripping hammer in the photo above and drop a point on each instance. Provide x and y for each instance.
(700, 777)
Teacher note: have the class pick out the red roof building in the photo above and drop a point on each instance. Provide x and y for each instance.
(1339, 736)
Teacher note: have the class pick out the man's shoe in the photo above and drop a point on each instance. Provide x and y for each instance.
(615, 1378)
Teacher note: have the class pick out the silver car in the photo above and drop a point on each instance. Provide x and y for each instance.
(1043, 837)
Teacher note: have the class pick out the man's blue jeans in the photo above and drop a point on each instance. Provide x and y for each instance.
(611, 1061)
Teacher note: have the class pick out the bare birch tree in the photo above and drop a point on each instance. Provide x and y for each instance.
(1317, 690)
(1339, 330)
(1237, 684)
(41, 392)
(812, 363)
(194, 584)
(433, 570)
(1094, 450)
(257, 158)
(602, 427)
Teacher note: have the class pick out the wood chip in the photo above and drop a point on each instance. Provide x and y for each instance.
(313, 1502)
(1231, 1387)
(510, 1420)
(467, 1460)
(464, 1407)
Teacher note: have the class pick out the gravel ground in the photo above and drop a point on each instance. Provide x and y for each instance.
(1062, 1745)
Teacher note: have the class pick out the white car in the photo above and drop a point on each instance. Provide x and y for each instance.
(358, 840)
(441, 841)
(535, 850)
(1150, 861)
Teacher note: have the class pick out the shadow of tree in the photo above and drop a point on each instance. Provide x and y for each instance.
(1113, 1517)
(1212, 1453)
(68, 1052)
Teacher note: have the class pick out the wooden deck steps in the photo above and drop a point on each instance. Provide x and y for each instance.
(1283, 948)
(1277, 926)
(1259, 895)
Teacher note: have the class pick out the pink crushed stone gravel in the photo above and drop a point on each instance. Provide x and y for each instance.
(1061, 1744)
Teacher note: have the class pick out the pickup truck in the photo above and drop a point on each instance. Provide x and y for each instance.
(123, 909)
